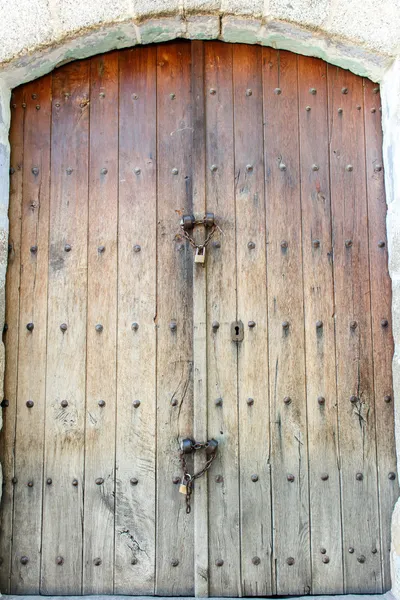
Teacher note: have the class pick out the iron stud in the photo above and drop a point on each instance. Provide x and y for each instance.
(173, 326)
(384, 323)
(30, 326)
(101, 403)
(33, 249)
(256, 560)
(376, 90)
(134, 481)
(353, 325)
(30, 484)
(67, 248)
(340, 110)
(219, 402)
(325, 559)
(99, 481)
(134, 561)
(64, 403)
(249, 92)
(215, 325)
(324, 476)
(377, 168)
(359, 476)
(392, 476)
(24, 560)
(49, 481)
(316, 243)
(136, 403)
(290, 478)
(251, 245)
(14, 480)
(217, 244)
(57, 105)
(34, 96)
(319, 324)
(373, 110)
(287, 400)
(358, 107)
(374, 551)
(254, 478)
(172, 96)
(321, 400)
(174, 171)
(353, 399)
(35, 170)
(63, 327)
(23, 105)
(135, 326)
(315, 168)
(174, 562)
(348, 243)
(99, 327)
(68, 170)
(285, 325)
(176, 479)
(250, 401)
(102, 95)
(251, 324)
(104, 171)
(213, 91)
(351, 550)
(308, 108)
(282, 166)
(135, 96)
(361, 559)
(249, 168)
(349, 167)
(219, 479)
(5, 403)
(213, 168)
(219, 562)
(12, 171)
(381, 244)
(137, 171)
(323, 550)
(59, 560)
(284, 244)
(345, 90)
(277, 91)
(313, 91)
(137, 248)
(30, 403)
(174, 402)
(290, 561)
(101, 249)
(388, 399)
(97, 562)
(37, 107)
(75, 482)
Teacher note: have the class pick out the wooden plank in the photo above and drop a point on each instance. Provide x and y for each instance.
(362, 567)
(224, 534)
(200, 500)
(254, 425)
(11, 334)
(174, 318)
(325, 513)
(98, 534)
(66, 350)
(381, 308)
(289, 455)
(29, 438)
(136, 426)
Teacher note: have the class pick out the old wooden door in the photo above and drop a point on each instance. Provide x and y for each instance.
(118, 345)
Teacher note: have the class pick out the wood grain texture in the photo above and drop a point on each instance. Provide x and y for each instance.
(175, 544)
(286, 326)
(224, 513)
(253, 396)
(66, 351)
(136, 427)
(319, 325)
(355, 383)
(381, 308)
(200, 500)
(11, 336)
(29, 438)
(98, 534)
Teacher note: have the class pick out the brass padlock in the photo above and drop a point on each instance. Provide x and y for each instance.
(200, 256)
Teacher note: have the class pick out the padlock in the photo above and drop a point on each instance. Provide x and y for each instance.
(183, 486)
(200, 256)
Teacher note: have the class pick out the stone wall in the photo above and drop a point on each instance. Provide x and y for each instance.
(360, 35)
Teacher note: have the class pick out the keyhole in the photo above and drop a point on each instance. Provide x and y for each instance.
(237, 330)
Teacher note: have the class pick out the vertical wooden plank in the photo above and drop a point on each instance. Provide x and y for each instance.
(224, 535)
(254, 426)
(174, 319)
(66, 350)
(137, 263)
(29, 440)
(286, 326)
(98, 561)
(325, 493)
(11, 334)
(200, 516)
(362, 565)
(381, 308)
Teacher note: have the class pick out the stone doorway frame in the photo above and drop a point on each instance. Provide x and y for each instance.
(382, 65)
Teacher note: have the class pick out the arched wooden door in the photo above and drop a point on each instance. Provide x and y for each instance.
(118, 345)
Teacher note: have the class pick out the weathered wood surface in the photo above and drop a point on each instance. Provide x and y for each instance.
(289, 454)
(319, 326)
(137, 309)
(355, 382)
(66, 350)
(286, 152)
(224, 511)
(98, 533)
